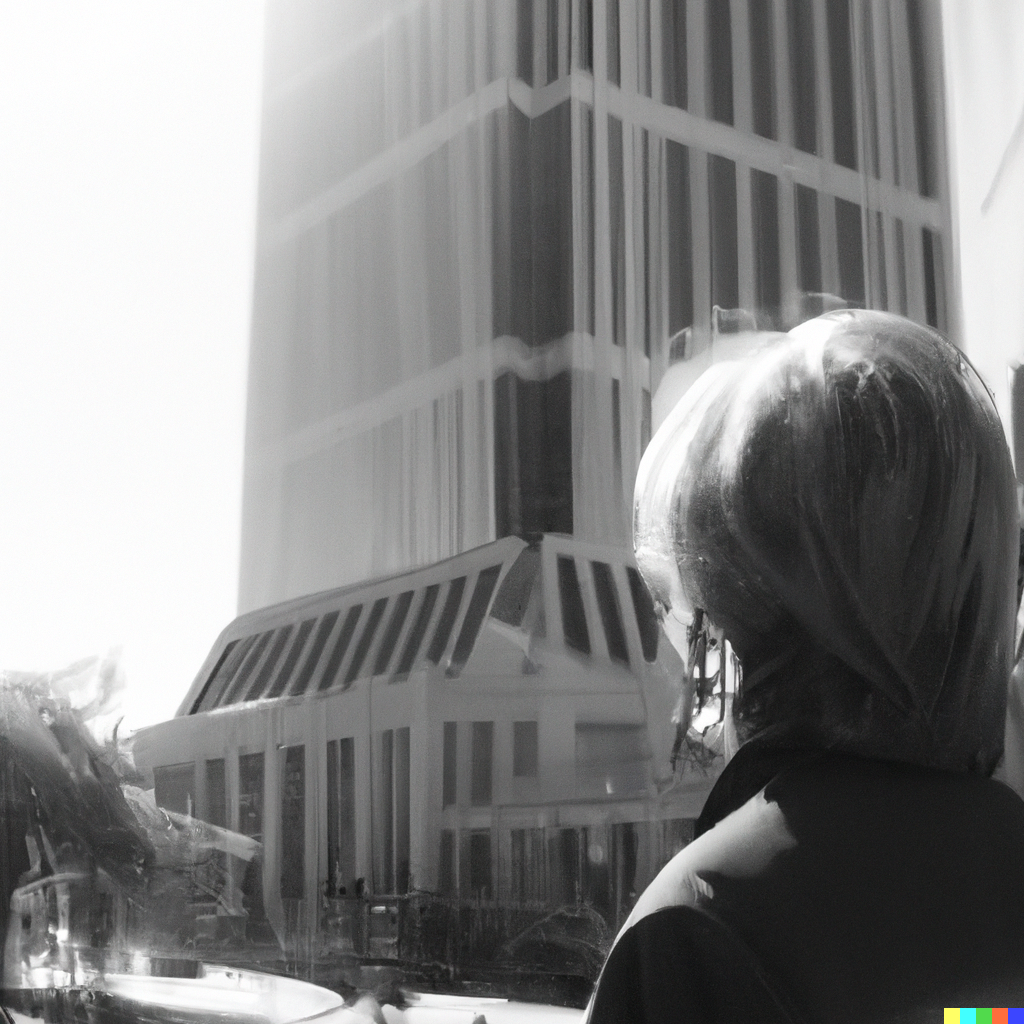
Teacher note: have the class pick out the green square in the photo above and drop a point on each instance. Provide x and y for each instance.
(984, 1016)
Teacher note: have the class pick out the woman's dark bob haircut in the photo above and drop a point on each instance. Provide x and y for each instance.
(842, 504)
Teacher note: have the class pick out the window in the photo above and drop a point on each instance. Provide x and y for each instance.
(840, 57)
(250, 795)
(394, 627)
(348, 628)
(924, 116)
(617, 228)
(341, 815)
(363, 647)
(402, 809)
(646, 620)
(802, 75)
(808, 257)
(447, 620)
(449, 783)
(680, 239)
(227, 665)
(719, 56)
(474, 618)
(216, 793)
(574, 619)
(850, 250)
(481, 763)
(934, 276)
(446, 863)
(725, 288)
(479, 873)
(418, 631)
(524, 40)
(384, 812)
(528, 867)
(673, 56)
(617, 433)
(323, 631)
(611, 615)
(764, 211)
(259, 686)
(611, 759)
(285, 675)
(175, 787)
(614, 60)
(251, 659)
(762, 67)
(293, 823)
(524, 750)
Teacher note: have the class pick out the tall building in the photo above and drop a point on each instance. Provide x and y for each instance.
(488, 227)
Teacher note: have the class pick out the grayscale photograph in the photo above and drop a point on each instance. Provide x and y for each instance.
(511, 511)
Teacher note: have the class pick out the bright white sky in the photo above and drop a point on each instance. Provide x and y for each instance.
(128, 151)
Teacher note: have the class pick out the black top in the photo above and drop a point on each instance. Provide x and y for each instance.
(829, 888)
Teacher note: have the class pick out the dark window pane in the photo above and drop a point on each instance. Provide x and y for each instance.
(762, 67)
(418, 631)
(614, 60)
(934, 280)
(617, 225)
(227, 665)
(924, 115)
(524, 40)
(323, 631)
(850, 250)
(646, 620)
(216, 793)
(680, 238)
(450, 765)
(446, 863)
(574, 619)
(481, 763)
(802, 77)
(248, 665)
(363, 647)
(284, 676)
(479, 873)
(611, 759)
(250, 795)
(611, 615)
(881, 301)
(394, 627)
(840, 55)
(587, 35)
(341, 814)
(513, 597)
(385, 809)
(725, 291)
(175, 787)
(402, 809)
(293, 824)
(764, 209)
(808, 260)
(552, 40)
(533, 454)
(277, 647)
(617, 433)
(524, 750)
(474, 618)
(673, 56)
(447, 619)
(719, 51)
(348, 628)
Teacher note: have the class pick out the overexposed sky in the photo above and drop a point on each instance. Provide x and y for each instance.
(128, 152)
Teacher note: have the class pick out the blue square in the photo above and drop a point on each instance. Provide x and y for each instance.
(1016, 1013)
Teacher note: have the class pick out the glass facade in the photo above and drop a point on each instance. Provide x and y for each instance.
(533, 205)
